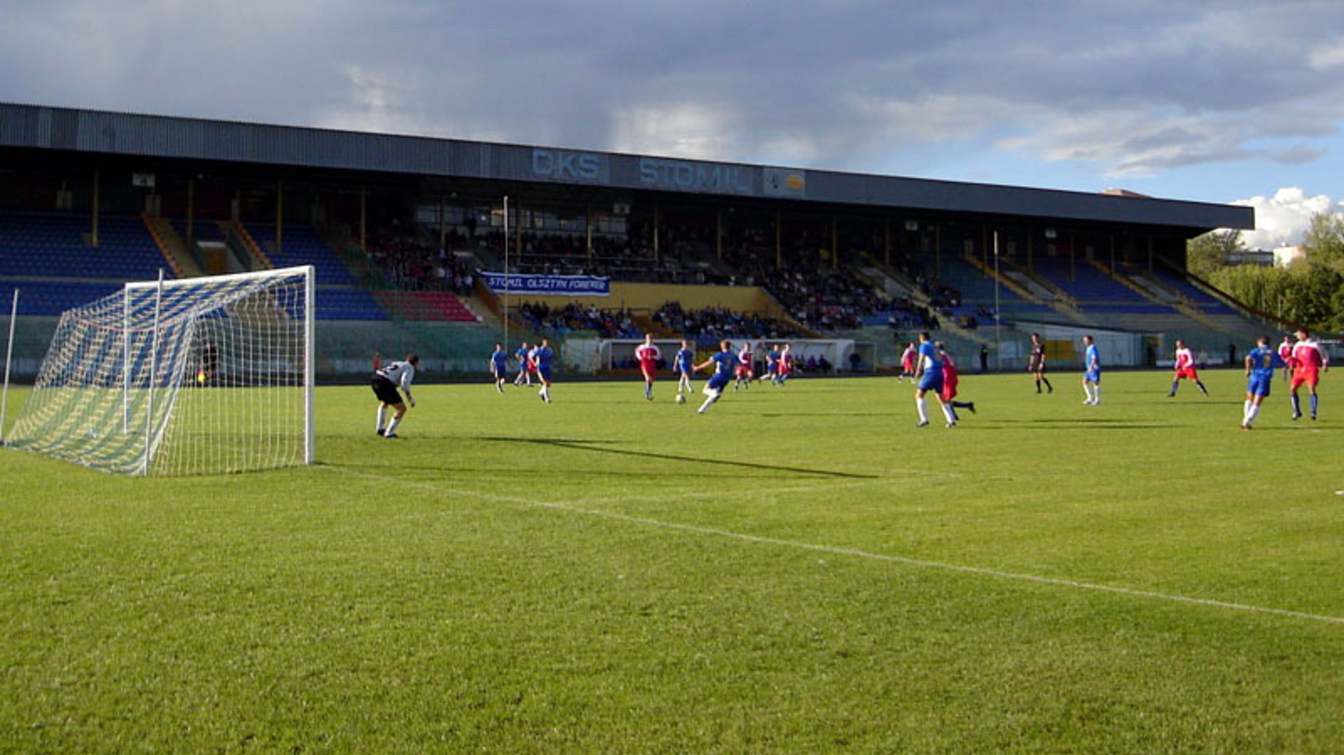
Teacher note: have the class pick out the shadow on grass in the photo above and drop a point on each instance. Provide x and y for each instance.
(1054, 425)
(438, 472)
(584, 445)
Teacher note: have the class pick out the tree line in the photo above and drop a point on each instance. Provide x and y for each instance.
(1309, 292)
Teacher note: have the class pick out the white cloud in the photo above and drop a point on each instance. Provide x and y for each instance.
(1281, 219)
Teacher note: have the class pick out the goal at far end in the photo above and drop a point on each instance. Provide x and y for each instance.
(179, 377)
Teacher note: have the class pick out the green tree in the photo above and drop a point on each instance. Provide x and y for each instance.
(1323, 243)
(1209, 252)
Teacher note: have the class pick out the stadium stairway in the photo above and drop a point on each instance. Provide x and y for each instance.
(260, 260)
(172, 247)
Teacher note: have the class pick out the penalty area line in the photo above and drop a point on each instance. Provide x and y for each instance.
(919, 563)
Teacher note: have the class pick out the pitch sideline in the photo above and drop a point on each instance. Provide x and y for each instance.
(572, 508)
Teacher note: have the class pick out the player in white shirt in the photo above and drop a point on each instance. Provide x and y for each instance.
(385, 383)
(1185, 369)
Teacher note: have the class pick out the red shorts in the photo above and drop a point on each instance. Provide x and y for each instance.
(908, 366)
(1187, 373)
(743, 370)
(949, 389)
(650, 369)
(1302, 376)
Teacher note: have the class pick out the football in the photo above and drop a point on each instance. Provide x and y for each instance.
(681, 398)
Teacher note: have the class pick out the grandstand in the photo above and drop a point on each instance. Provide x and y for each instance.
(400, 229)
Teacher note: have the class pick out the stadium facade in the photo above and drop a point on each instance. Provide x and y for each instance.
(92, 167)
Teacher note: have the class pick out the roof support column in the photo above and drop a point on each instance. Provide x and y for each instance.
(1073, 255)
(443, 229)
(835, 244)
(97, 196)
(588, 231)
(279, 216)
(191, 210)
(779, 253)
(938, 251)
(886, 240)
(363, 219)
(718, 233)
(657, 218)
(517, 232)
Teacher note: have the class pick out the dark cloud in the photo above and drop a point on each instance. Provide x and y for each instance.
(1133, 87)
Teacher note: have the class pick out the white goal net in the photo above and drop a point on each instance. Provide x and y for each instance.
(194, 376)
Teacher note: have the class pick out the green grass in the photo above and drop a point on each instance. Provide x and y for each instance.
(606, 574)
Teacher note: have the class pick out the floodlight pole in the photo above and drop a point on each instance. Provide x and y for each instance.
(153, 367)
(998, 343)
(506, 273)
(9, 355)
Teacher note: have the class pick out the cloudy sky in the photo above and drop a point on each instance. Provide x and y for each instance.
(1218, 101)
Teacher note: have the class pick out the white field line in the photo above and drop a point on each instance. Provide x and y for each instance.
(576, 508)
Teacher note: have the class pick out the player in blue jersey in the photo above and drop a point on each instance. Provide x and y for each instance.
(929, 372)
(683, 364)
(725, 364)
(541, 358)
(1091, 372)
(1261, 363)
(524, 357)
(772, 364)
(499, 367)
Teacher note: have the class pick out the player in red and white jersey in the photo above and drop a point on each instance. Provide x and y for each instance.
(745, 369)
(1185, 369)
(785, 365)
(1286, 354)
(1309, 361)
(950, 380)
(907, 362)
(647, 354)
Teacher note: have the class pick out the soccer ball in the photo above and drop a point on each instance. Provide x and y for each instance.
(681, 398)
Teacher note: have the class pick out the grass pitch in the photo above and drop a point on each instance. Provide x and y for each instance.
(798, 570)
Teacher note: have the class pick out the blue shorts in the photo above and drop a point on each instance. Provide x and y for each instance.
(1258, 385)
(719, 381)
(932, 381)
(1092, 376)
(545, 373)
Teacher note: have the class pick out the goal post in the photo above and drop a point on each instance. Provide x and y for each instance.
(176, 377)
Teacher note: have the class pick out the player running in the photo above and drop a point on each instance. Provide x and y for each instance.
(1286, 354)
(930, 379)
(541, 358)
(724, 366)
(950, 380)
(1185, 369)
(1309, 361)
(523, 355)
(1091, 372)
(785, 366)
(647, 354)
(772, 365)
(385, 382)
(684, 364)
(1261, 363)
(745, 372)
(1036, 363)
(908, 362)
(499, 367)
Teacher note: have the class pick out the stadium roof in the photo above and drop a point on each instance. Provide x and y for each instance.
(100, 132)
